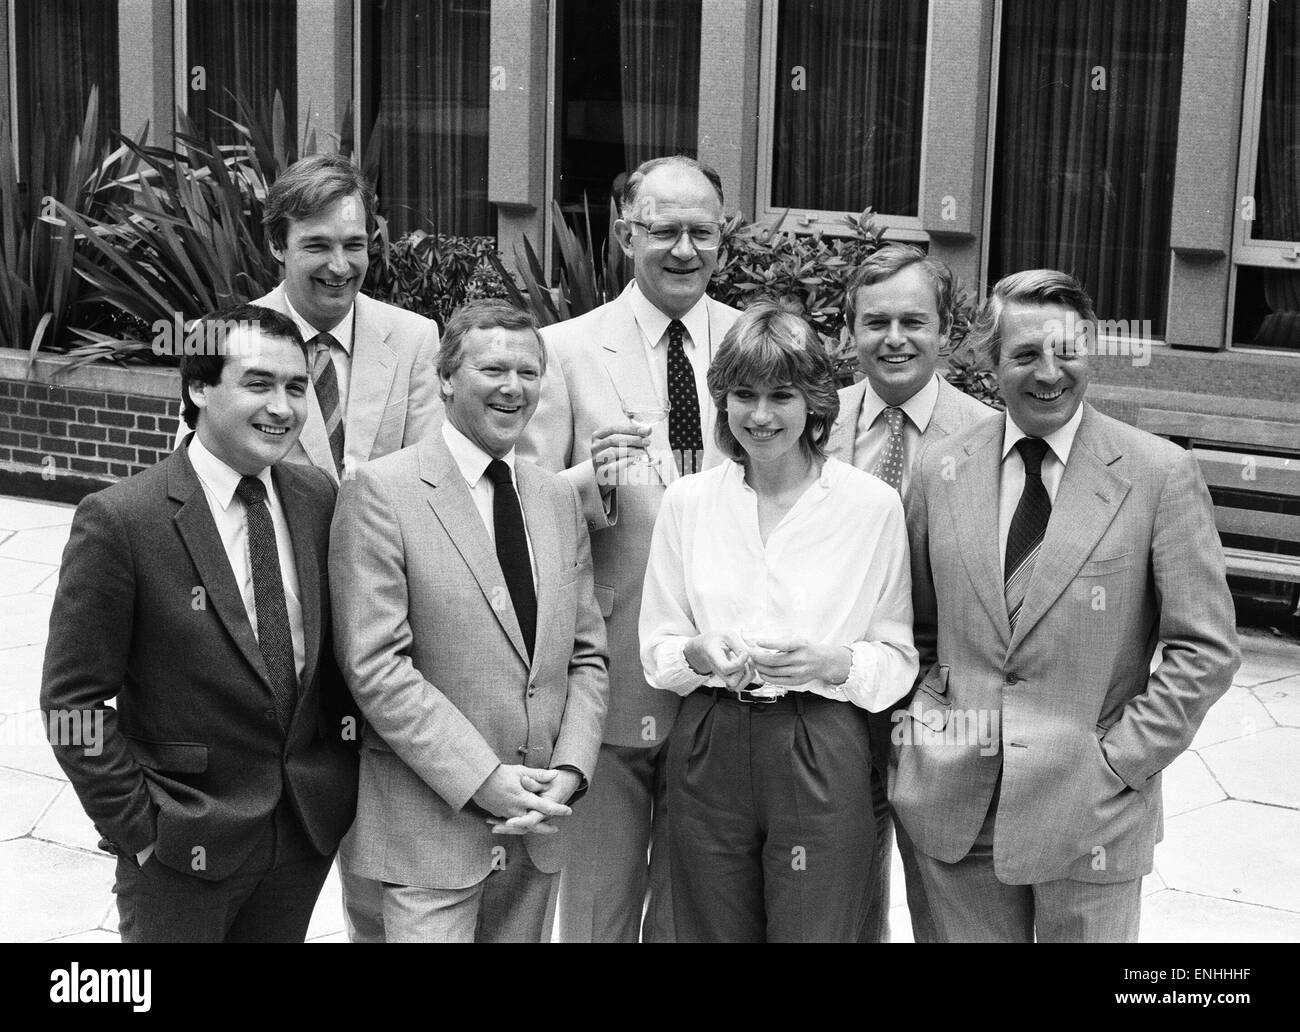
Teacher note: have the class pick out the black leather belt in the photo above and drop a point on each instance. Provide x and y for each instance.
(746, 695)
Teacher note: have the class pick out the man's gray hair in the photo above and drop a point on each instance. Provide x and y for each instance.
(1031, 287)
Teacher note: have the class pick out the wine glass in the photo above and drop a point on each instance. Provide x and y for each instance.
(761, 631)
(646, 412)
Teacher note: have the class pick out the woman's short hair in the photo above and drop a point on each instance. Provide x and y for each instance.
(768, 345)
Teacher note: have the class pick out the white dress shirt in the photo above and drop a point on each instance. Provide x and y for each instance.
(473, 461)
(1012, 484)
(653, 325)
(340, 350)
(834, 571)
(873, 432)
(219, 482)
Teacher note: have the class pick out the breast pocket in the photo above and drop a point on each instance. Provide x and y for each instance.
(1098, 587)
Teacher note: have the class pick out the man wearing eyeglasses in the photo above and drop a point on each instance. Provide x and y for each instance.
(648, 349)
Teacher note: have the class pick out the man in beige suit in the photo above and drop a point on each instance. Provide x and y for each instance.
(373, 366)
(899, 309)
(651, 345)
(475, 649)
(1052, 550)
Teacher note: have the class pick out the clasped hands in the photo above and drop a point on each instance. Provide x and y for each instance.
(785, 661)
(526, 799)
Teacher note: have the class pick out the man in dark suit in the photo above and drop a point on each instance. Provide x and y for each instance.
(196, 594)
(1053, 549)
(899, 309)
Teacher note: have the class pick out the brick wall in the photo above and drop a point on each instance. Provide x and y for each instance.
(93, 423)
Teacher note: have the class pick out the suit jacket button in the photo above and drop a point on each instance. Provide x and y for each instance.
(523, 750)
(1012, 678)
(532, 690)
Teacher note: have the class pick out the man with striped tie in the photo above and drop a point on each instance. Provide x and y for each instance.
(1051, 550)
(899, 309)
(373, 366)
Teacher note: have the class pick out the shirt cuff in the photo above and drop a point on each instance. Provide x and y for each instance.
(864, 687)
(672, 672)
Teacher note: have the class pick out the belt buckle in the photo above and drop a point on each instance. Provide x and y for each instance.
(750, 699)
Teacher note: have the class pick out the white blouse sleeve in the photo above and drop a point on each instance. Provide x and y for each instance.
(666, 621)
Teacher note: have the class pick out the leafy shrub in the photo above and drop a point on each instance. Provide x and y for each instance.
(433, 274)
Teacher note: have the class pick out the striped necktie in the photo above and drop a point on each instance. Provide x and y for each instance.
(1028, 526)
(327, 393)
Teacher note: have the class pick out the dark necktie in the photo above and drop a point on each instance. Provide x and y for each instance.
(889, 467)
(273, 634)
(512, 549)
(327, 393)
(684, 436)
(1028, 526)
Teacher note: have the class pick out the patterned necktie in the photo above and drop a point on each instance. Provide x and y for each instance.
(1028, 526)
(512, 550)
(327, 393)
(273, 634)
(889, 468)
(684, 436)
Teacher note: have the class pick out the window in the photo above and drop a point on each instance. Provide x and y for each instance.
(1266, 299)
(1086, 129)
(62, 48)
(628, 76)
(843, 115)
(424, 89)
(244, 48)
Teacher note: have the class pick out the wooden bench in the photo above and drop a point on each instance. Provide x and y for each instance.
(1257, 459)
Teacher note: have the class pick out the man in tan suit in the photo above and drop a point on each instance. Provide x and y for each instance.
(651, 345)
(899, 309)
(475, 649)
(1052, 550)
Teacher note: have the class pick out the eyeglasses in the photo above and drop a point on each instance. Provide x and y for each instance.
(705, 236)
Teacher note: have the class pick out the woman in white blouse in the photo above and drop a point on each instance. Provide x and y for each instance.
(778, 603)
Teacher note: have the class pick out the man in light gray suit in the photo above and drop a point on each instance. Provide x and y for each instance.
(899, 309)
(1052, 550)
(373, 366)
(474, 648)
(651, 345)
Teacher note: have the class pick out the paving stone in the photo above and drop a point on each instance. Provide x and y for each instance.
(20, 514)
(18, 576)
(900, 924)
(1152, 883)
(26, 797)
(24, 619)
(94, 935)
(42, 545)
(1188, 784)
(23, 745)
(1237, 714)
(48, 585)
(1236, 851)
(50, 890)
(109, 923)
(1259, 666)
(333, 937)
(20, 682)
(1282, 700)
(67, 824)
(327, 918)
(1261, 768)
(1172, 916)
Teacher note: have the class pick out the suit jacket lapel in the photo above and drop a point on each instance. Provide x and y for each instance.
(629, 371)
(199, 533)
(544, 534)
(1086, 502)
(845, 430)
(451, 502)
(373, 361)
(301, 515)
(973, 507)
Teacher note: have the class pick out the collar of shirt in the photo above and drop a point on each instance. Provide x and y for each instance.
(654, 324)
(1060, 440)
(341, 331)
(471, 460)
(220, 479)
(919, 407)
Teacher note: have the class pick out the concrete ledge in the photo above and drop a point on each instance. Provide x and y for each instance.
(147, 381)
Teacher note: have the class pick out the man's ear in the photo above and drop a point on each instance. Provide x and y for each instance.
(623, 234)
(277, 253)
